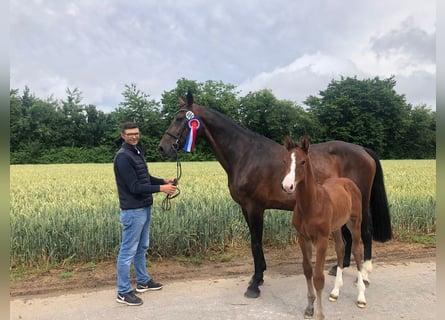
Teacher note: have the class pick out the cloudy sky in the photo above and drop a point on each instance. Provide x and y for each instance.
(294, 48)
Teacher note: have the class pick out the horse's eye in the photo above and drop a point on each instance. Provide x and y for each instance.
(303, 162)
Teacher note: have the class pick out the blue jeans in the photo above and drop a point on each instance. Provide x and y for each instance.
(134, 245)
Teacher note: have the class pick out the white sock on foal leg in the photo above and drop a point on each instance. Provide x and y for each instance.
(366, 270)
(361, 300)
(338, 284)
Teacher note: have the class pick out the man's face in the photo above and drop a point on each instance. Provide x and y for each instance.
(131, 136)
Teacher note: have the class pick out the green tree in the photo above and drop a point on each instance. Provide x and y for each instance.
(137, 106)
(367, 112)
(74, 119)
(421, 134)
(213, 94)
(263, 113)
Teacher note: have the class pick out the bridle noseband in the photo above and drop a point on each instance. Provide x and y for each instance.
(177, 144)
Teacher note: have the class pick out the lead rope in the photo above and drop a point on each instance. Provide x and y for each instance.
(166, 204)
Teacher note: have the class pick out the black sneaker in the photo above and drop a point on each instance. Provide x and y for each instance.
(129, 298)
(150, 285)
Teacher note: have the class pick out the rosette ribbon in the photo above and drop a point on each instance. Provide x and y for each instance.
(194, 125)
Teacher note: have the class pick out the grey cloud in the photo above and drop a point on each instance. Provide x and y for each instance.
(419, 88)
(409, 40)
(100, 46)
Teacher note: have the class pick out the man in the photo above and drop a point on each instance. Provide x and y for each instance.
(135, 187)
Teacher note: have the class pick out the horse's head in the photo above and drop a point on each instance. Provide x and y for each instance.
(176, 134)
(295, 162)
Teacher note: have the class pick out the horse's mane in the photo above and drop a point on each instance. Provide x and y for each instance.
(241, 128)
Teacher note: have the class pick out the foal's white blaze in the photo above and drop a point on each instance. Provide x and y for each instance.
(288, 182)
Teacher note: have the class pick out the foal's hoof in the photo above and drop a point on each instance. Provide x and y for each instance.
(361, 304)
(333, 298)
(309, 313)
(252, 293)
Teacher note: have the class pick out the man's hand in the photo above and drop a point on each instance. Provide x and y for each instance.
(168, 188)
(172, 181)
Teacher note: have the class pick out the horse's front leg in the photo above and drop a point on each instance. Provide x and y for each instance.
(255, 223)
(340, 251)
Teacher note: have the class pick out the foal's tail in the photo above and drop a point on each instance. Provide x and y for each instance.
(381, 220)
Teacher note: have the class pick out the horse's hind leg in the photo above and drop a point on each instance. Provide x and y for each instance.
(306, 250)
(367, 251)
(357, 251)
(366, 235)
(340, 250)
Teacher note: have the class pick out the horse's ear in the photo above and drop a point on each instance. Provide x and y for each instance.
(181, 102)
(304, 143)
(289, 143)
(189, 98)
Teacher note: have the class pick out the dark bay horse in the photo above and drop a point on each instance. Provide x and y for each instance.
(322, 209)
(254, 167)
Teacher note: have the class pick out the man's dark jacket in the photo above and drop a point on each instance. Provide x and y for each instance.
(135, 185)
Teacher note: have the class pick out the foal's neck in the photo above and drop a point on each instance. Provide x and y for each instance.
(308, 187)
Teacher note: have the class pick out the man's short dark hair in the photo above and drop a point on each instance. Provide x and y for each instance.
(129, 125)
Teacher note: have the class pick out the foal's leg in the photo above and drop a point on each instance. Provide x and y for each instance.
(322, 247)
(340, 250)
(357, 251)
(306, 250)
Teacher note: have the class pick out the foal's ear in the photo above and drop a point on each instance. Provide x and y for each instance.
(181, 102)
(304, 143)
(289, 143)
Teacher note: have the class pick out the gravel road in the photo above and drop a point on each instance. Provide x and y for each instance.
(397, 291)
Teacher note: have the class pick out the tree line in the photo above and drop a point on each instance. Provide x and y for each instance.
(367, 112)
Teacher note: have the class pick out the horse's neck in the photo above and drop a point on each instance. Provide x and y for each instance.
(224, 137)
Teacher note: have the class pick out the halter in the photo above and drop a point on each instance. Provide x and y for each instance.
(176, 145)
(166, 205)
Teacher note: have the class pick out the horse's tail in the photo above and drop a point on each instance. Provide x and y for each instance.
(381, 220)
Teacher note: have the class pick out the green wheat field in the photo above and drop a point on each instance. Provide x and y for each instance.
(71, 212)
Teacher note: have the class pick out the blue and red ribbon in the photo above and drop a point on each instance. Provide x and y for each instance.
(194, 125)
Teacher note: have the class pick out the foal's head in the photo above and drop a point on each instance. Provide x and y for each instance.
(295, 163)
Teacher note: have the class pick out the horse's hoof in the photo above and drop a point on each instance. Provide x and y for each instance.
(309, 313)
(252, 293)
(333, 298)
(259, 282)
(361, 304)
